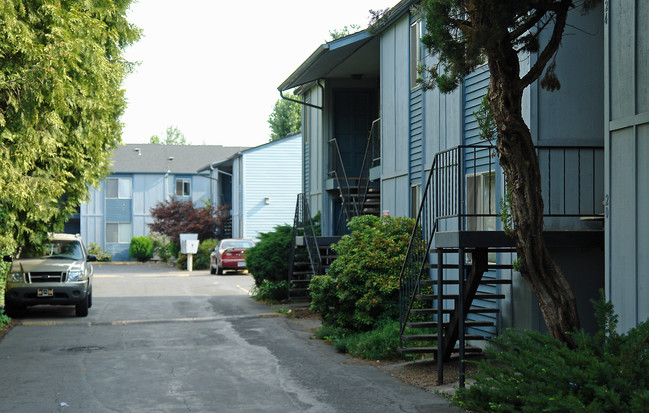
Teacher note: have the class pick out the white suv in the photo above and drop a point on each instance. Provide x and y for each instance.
(58, 273)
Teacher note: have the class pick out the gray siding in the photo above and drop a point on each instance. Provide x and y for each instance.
(395, 119)
(416, 135)
(627, 151)
(271, 172)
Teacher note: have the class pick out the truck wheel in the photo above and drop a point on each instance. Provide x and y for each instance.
(12, 310)
(212, 269)
(81, 309)
(219, 270)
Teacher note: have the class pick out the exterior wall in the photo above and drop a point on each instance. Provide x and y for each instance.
(627, 150)
(237, 198)
(395, 118)
(147, 190)
(271, 181)
(314, 154)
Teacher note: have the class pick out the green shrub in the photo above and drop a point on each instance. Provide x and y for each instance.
(271, 291)
(268, 259)
(163, 248)
(532, 372)
(141, 248)
(97, 251)
(362, 285)
(201, 260)
(378, 344)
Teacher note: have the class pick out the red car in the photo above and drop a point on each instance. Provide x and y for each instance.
(229, 255)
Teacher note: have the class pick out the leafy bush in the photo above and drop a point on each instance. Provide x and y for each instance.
(268, 259)
(362, 285)
(141, 248)
(201, 260)
(378, 344)
(532, 372)
(175, 217)
(163, 248)
(97, 251)
(271, 291)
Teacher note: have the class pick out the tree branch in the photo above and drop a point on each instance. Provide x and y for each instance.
(552, 46)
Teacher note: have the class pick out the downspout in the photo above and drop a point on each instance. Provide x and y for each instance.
(311, 105)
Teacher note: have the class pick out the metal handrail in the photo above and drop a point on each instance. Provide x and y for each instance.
(445, 197)
(369, 158)
(349, 206)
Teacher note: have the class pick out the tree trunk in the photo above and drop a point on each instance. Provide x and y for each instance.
(519, 161)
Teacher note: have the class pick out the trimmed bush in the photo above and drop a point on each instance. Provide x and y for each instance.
(271, 291)
(201, 260)
(97, 251)
(141, 248)
(268, 259)
(362, 285)
(528, 371)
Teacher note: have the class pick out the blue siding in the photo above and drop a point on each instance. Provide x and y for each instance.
(416, 135)
(475, 88)
(119, 210)
(262, 180)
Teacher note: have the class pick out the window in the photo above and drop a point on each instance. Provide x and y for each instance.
(416, 31)
(183, 187)
(119, 232)
(481, 201)
(119, 188)
(415, 200)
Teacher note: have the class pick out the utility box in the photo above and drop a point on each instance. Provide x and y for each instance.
(188, 243)
(189, 246)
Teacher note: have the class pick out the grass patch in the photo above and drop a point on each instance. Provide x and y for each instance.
(382, 343)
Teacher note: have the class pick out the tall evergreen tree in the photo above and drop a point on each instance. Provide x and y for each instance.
(465, 33)
(286, 118)
(61, 96)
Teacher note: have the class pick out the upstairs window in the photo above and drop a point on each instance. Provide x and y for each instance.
(416, 32)
(183, 187)
(119, 188)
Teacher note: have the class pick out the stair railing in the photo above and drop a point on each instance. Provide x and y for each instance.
(349, 206)
(418, 247)
(310, 237)
(373, 147)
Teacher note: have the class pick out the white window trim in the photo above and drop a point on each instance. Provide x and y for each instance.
(184, 180)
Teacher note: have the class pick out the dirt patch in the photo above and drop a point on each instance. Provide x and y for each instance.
(423, 373)
(7, 327)
(420, 373)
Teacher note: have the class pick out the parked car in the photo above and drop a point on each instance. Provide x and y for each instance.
(57, 273)
(229, 255)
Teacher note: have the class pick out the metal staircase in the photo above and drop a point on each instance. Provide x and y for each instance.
(310, 253)
(450, 281)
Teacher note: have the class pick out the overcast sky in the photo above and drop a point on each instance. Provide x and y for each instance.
(212, 68)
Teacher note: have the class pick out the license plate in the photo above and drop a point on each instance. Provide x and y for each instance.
(45, 292)
(242, 264)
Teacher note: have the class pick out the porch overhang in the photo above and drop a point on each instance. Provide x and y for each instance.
(356, 55)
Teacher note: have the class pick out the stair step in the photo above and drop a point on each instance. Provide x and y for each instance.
(455, 266)
(422, 350)
(433, 297)
(433, 324)
(297, 290)
(301, 281)
(483, 281)
(433, 337)
(474, 310)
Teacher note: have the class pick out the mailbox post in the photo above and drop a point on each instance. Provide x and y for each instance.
(189, 246)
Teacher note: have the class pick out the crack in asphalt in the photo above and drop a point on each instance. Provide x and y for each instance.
(152, 321)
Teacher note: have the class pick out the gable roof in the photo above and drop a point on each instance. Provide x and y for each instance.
(155, 158)
(230, 160)
(355, 54)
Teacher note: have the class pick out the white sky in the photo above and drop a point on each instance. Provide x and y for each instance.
(212, 68)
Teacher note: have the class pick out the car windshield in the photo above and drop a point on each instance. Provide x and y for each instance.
(237, 244)
(56, 249)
